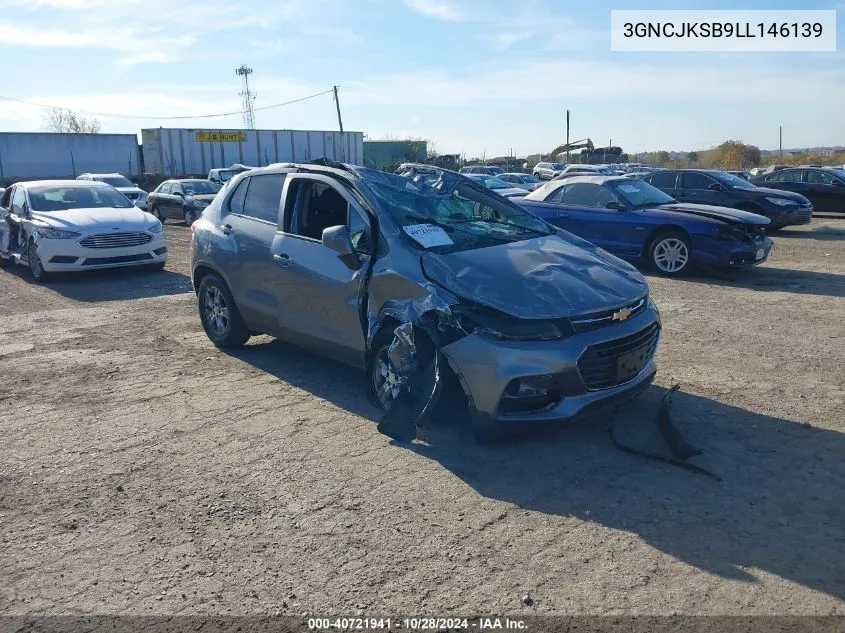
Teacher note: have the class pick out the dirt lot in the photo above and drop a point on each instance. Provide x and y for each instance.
(145, 472)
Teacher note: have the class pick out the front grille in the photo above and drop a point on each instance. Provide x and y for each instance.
(616, 362)
(115, 240)
(804, 215)
(123, 259)
(596, 320)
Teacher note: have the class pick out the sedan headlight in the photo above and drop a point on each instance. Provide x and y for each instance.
(496, 325)
(55, 234)
(782, 202)
(155, 228)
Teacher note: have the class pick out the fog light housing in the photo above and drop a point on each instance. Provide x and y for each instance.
(530, 393)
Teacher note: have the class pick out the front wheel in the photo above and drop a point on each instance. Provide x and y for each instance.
(36, 268)
(190, 216)
(156, 213)
(219, 315)
(669, 253)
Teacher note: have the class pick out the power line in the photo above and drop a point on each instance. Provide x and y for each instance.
(162, 118)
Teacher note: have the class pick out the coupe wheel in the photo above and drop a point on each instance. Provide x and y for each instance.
(219, 315)
(35, 265)
(670, 253)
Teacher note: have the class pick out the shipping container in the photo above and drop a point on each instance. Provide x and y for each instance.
(41, 155)
(176, 152)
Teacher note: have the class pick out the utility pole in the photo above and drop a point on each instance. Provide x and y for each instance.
(780, 143)
(248, 97)
(567, 138)
(337, 103)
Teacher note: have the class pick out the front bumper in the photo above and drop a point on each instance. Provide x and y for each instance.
(801, 215)
(486, 369)
(68, 255)
(707, 251)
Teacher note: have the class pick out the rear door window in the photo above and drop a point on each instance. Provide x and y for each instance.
(695, 180)
(236, 202)
(663, 179)
(263, 197)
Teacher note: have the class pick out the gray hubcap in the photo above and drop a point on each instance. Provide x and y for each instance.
(216, 312)
(34, 261)
(386, 382)
(671, 255)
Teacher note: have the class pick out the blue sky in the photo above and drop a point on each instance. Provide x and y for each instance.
(474, 76)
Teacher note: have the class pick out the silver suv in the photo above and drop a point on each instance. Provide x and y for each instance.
(421, 283)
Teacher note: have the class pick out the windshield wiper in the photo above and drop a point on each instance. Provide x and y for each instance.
(421, 220)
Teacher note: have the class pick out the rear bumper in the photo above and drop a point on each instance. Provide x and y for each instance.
(486, 368)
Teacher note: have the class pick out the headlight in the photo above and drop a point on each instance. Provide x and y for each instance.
(155, 228)
(782, 202)
(502, 327)
(731, 233)
(55, 234)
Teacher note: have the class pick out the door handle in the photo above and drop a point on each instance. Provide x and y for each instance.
(227, 229)
(282, 260)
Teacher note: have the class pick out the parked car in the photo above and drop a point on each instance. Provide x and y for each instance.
(182, 199)
(581, 170)
(547, 171)
(71, 225)
(823, 186)
(521, 181)
(220, 176)
(488, 170)
(702, 186)
(395, 278)
(633, 220)
(125, 186)
(499, 186)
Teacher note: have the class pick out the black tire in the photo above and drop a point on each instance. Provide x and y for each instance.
(36, 268)
(190, 215)
(157, 267)
(382, 341)
(156, 213)
(225, 330)
(669, 253)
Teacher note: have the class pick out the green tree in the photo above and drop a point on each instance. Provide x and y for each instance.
(661, 158)
(692, 157)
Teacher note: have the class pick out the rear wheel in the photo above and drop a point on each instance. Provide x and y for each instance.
(669, 253)
(219, 315)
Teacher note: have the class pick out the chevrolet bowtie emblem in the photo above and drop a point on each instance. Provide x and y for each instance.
(621, 315)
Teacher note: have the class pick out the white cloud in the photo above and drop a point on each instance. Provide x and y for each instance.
(439, 9)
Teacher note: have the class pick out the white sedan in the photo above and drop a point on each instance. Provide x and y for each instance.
(499, 186)
(68, 225)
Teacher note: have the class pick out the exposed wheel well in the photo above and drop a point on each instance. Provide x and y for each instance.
(200, 272)
(663, 230)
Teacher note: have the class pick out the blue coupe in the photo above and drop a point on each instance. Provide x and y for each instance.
(633, 220)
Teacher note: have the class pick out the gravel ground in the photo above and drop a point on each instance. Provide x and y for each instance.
(145, 472)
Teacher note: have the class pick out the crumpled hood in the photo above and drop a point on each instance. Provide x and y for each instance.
(735, 216)
(543, 278)
(106, 219)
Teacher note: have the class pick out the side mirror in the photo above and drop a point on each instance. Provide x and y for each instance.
(613, 205)
(714, 186)
(179, 193)
(337, 239)
(838, 183)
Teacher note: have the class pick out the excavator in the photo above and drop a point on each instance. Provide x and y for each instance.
(559, 152)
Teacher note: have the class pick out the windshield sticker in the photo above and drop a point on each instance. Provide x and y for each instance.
(629, 189)
(428, 235)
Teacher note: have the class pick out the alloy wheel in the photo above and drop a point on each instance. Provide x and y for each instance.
(216, 311)
(671, 255)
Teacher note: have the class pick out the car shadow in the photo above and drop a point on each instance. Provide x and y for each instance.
(824, 233)
(773, 280)
(112, 284)
(779, 507)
